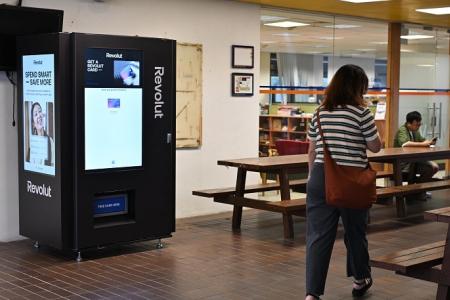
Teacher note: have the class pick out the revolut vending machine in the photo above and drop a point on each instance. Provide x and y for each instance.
(96, 139)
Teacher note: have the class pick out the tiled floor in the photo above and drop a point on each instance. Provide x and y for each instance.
(205, 260)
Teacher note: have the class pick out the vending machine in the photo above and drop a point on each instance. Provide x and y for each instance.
(96, 139)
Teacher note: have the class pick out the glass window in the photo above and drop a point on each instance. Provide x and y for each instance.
(304, 57)
(424, 75)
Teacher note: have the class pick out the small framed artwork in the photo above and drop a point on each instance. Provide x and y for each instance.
(242, 56)
(242, 84)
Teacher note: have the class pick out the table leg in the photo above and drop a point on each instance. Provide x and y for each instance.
(400, 201)
(288, 223)
(263, 179)
(443, 291)
(237, 209)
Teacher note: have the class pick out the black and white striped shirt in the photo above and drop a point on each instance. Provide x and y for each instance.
(346, 130)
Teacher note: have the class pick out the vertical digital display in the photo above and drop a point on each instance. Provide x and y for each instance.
(113, 108)
(38, 115)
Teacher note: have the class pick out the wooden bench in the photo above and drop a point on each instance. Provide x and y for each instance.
(385, 174)
(298, 206)
(419, 262)
(404, 190)
(293, 206)
(401, 191)
(225, 192)
(227, 196)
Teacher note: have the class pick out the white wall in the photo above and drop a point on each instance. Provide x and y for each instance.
(230, 125)
(9, 206)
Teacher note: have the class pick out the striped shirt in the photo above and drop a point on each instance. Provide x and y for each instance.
(347, 130)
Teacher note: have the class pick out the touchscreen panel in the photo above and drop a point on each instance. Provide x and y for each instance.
(113, 108)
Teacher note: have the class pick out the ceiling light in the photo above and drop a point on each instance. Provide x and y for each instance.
(286, 24)
(406, 50)
(379, 43)
(342, 26)
(435, 11)
(425, 65)
(363, 1)
(365, 50)
(416, 36)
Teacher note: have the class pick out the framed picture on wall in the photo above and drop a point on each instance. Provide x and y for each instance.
(242, 56)
(242, 84)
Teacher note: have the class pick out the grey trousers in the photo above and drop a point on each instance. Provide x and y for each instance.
(426, 170)
(322, 222)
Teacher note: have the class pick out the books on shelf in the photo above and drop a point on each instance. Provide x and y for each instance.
(276, 124)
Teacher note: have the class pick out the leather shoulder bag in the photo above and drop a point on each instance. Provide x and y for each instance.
(347, 186)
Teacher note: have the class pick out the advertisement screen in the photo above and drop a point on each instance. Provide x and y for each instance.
(113, 108)
(38, 115)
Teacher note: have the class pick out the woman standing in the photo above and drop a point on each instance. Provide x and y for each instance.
(349, 129)
(38, 128)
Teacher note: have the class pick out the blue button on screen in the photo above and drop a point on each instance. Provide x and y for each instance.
(110, 205)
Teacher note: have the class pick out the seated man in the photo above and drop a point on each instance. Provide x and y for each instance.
(408, 136)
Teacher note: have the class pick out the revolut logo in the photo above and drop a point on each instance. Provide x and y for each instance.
(158, 97)
(115, 55)
(41, 190)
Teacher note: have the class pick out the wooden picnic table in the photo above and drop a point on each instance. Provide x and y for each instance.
(281, 165)
(397, 156)
(442, 276)
(284, 165)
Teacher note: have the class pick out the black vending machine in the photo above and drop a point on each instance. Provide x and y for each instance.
(96, 139)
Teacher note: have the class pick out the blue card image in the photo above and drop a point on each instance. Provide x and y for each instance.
(113, 103)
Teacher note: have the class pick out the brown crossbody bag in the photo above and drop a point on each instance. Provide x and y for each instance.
(347, 186)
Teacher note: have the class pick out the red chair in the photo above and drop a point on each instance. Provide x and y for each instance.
(287, 147)
(290, 147)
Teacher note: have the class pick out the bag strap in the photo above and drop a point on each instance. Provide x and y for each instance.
(325, 148)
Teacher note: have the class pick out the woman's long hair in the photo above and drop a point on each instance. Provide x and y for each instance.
(347, 87)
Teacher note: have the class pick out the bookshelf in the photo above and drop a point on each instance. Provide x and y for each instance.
(274, 127)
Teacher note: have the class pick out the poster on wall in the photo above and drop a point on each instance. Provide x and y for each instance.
(113, 108)
(38, 115)
(242, 84)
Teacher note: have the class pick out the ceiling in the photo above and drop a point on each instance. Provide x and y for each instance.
(393, 10)
(342, 36)
(367, 39)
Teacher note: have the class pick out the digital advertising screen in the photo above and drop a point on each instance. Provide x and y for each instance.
(38, 115)
(113, 108)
